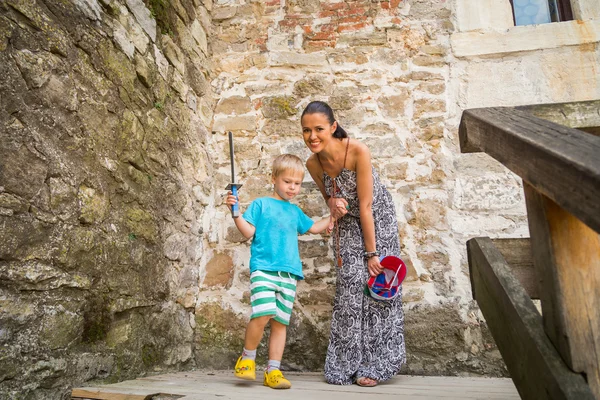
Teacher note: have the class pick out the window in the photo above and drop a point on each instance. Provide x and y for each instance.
(530, 12)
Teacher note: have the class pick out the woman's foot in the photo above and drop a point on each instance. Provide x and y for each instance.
(366, 382)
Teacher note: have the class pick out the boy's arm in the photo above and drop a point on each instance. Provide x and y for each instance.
(245, 228)
(320, 225)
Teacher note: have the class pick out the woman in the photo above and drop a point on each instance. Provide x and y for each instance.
(366, 344)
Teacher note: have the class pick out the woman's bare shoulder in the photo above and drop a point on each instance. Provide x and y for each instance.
(358, 151)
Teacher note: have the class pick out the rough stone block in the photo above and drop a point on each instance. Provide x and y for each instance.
(487, 193)
(279, 107)
(199, 36)
(219, 335)
(223, 13)
(143, 71)
(428, 106)
(141, 224)
(93, 206)
(315, 296)
(293, 59)
(394, 106)
(386, 147)
(143, 16)
(313, 248)
(234, 105)
(431, 214)
(396, 171)
(233, 235)
(120, 36)
(173, 54)
(219, 271)
(376, 38)
(313, 85)
(241, 123)
(60, 328)
(281, 127)
(22, 172)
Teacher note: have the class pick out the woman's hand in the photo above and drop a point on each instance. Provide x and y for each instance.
(337, 207)
(374, 266)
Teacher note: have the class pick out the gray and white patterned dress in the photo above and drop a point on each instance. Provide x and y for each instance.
(367, 335)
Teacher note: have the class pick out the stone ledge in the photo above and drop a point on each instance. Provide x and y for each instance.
(525, 38)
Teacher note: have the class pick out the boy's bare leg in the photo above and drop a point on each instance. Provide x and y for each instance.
(277, 340)
(255, 331)
(273, 376)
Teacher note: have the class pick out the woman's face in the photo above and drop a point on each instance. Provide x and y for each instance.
(317, 131)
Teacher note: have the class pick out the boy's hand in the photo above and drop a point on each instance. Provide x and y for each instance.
(338, 207)
(230, 200)
(331, 225)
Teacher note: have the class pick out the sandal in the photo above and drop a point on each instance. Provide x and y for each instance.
(366, 382)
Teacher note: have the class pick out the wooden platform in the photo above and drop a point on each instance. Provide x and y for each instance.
(223, 385)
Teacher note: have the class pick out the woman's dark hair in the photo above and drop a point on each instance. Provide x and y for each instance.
(320, 107)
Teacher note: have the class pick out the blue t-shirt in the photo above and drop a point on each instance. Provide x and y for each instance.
(275, 241)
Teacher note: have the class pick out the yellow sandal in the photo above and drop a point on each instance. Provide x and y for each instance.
(245, 369)
(276, 380)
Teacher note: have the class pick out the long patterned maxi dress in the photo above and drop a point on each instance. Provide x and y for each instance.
(367, 335)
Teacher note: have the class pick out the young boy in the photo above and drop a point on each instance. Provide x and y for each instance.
(274, 224)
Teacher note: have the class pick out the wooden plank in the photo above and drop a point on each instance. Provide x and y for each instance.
(517, 254)
(560, 162)
(104, 395)
(566, 255)
(538, 371)
(222, 385)
(594, 130)
(580, 114)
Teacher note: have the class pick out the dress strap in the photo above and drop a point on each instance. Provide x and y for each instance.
(346, 155)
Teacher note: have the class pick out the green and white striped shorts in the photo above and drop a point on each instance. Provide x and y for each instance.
(272, 293)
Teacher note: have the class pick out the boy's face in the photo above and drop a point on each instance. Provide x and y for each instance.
(287, 185)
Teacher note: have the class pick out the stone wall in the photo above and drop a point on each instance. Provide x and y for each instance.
(117, 255)
(386, 68)
(399, 74)
(104, 181)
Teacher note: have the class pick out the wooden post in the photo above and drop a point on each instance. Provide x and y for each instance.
(566, 255)
(534, 364)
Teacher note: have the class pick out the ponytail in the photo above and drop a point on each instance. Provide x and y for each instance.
(320, 107)
(340, 133)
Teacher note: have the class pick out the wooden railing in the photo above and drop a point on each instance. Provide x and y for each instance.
(557, 355)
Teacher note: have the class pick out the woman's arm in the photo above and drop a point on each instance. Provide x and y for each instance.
(337, 207)
(364, 184)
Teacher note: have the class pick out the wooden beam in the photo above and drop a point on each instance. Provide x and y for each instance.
(566, 255)
(580, 114)
(535, 366)
(562, 163)
(103, 395)
(517, 254)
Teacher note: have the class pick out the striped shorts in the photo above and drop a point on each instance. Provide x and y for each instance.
(272, 293)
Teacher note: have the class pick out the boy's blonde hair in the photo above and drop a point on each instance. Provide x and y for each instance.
(287, 162)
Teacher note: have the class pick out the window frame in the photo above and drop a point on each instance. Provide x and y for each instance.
(565, 11)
